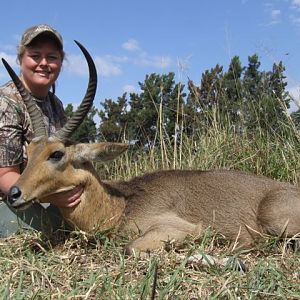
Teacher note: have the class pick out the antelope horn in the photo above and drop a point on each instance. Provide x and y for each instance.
(87, 102)
(36, 117)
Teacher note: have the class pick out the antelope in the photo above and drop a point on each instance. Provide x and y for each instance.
(157, 206)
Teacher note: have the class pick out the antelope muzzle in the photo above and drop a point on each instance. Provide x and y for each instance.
(16, 200)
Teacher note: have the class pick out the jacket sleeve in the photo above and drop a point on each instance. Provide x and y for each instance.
(11, 132)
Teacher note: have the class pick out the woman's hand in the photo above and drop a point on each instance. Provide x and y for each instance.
(65, 199)
(8, 177)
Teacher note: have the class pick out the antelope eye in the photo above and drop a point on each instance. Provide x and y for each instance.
(56, 156)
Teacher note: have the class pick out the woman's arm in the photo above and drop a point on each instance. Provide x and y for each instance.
(12, 124)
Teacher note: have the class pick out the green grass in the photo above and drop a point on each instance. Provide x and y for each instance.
(80, 268)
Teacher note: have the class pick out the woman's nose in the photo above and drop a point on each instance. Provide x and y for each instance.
(43, 61)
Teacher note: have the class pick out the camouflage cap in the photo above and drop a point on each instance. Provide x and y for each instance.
(34, 31)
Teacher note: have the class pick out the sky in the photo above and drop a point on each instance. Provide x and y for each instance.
(129, 39)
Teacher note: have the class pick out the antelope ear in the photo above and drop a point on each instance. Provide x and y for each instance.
(99, 151)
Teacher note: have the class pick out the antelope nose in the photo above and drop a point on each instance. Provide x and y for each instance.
(14, 194)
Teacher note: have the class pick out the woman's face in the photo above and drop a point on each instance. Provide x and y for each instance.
(40, 66)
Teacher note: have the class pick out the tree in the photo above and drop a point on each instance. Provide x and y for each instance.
(275, 113)
(144, 109)
(156, 108)
(114, 119)
(175, 112)
(296, 118)
(87, 130)
(253, 93)
(205, 100)
(252, 76)
(278, 85)
(233, 90)
(244, 97)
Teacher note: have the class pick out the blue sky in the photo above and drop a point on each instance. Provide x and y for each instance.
(129, 39)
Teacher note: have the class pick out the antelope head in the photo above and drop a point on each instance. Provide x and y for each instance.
(56, 166)
(54, 163)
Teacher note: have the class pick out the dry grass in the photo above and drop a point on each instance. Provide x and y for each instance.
(78, 268)
(81, 268)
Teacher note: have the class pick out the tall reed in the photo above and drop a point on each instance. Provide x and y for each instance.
(217, 143)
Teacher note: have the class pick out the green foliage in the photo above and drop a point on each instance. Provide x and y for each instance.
(242, 98)
(296, 118)
(232, 83)
(87, 130)
(140, 117)
(203, 101)
(157, 106)
(252, 76)
(267, 101)
(248, 99)
(114, 119)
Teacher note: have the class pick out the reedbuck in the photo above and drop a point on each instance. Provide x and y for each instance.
(157, 206)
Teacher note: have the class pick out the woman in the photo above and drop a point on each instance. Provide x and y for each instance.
(40, 55)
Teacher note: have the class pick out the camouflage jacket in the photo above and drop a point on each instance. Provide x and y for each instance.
(15, 125)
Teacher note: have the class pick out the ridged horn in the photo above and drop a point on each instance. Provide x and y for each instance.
(87, 102)
(36, 117)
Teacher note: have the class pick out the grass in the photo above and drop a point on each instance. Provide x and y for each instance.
(81, 268)
(97, 269)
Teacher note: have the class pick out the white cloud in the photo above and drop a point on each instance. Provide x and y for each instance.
(116, 59)
(275, 16)
(106, 65)
(11, 59)
(131, 45)
(296, 3)
(128, 88)
(275, 13)
(143, 59)
(296, 20)
(76, 64)
(295, 9)
(110, 65)
(146, 60)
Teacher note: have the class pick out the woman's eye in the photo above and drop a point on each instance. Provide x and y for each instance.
(52, 58)
(56, 156)
(35, 57)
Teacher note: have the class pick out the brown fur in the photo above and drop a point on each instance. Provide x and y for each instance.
(161, 205)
